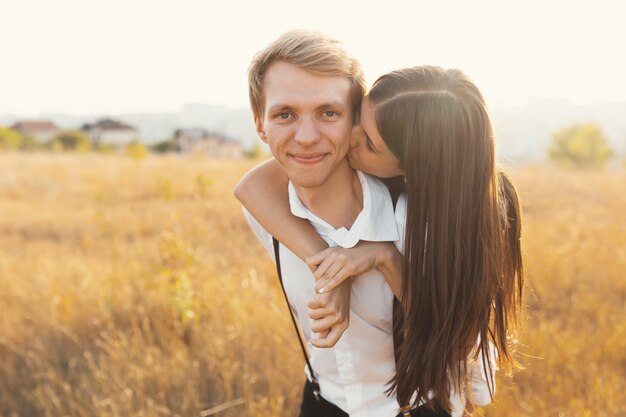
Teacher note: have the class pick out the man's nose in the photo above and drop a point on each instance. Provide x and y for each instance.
(307, 132)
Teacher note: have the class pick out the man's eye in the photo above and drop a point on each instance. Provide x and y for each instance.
(329, 113)
(284, 116)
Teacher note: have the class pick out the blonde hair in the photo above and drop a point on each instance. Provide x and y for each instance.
(312, 51)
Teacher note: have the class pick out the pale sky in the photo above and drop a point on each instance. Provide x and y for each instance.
(89, 57)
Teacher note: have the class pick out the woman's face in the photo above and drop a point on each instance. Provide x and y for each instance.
(368, 151)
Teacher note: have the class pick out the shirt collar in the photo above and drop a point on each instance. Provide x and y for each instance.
(376, 222)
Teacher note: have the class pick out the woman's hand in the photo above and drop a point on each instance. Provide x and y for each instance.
(334, 265)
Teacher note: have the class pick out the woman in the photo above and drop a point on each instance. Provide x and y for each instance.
(462, 276)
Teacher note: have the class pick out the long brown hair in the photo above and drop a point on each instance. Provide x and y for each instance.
(462, 272)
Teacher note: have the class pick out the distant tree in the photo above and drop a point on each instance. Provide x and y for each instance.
(168, 145)
(136, 150)
(71, 140)
(580, 146)
(10, 139)
(104, 148)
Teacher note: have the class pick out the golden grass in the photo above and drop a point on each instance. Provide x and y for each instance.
(574, 342)
(134, 288)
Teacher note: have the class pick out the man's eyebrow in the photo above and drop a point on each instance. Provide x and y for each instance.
(332, 104)
(279, 107)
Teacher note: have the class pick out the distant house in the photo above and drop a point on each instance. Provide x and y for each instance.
(213, 145)
(110, 132)
(41, 130)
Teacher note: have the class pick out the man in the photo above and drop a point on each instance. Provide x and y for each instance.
(305, 91)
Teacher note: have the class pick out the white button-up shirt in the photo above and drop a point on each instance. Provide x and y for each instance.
(354, 373)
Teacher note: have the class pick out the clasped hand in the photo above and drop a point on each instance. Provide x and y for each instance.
(333, 269)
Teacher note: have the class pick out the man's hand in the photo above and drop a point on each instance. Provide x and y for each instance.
(330, 314)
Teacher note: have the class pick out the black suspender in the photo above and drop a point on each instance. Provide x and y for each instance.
(316, 386)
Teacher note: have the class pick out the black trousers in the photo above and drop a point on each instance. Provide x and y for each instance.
(313, 408)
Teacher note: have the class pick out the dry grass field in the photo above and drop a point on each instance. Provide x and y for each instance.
(134, 288)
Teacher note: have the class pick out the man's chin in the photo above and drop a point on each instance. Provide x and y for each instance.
(306, 182)
(312, 176)
(307, 177)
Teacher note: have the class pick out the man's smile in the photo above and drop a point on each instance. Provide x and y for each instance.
(308, 158)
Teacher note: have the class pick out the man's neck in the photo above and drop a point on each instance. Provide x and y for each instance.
(339, 201)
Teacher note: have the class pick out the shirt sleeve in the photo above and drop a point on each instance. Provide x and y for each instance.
(263, 235)
(478, 380)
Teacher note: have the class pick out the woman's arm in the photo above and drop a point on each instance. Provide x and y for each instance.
(334, 265)
(263, 192)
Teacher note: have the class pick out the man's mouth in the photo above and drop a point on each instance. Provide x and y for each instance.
(308, 159)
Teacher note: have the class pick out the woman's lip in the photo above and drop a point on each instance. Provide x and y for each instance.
(309, 159)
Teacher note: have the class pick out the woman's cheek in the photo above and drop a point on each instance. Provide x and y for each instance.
(354, 157)
(362, 161)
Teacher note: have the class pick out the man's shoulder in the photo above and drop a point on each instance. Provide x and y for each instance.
(263, 235)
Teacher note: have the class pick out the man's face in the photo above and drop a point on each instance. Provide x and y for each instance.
(306, 123)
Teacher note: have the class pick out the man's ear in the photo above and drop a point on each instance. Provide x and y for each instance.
(259, 128)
